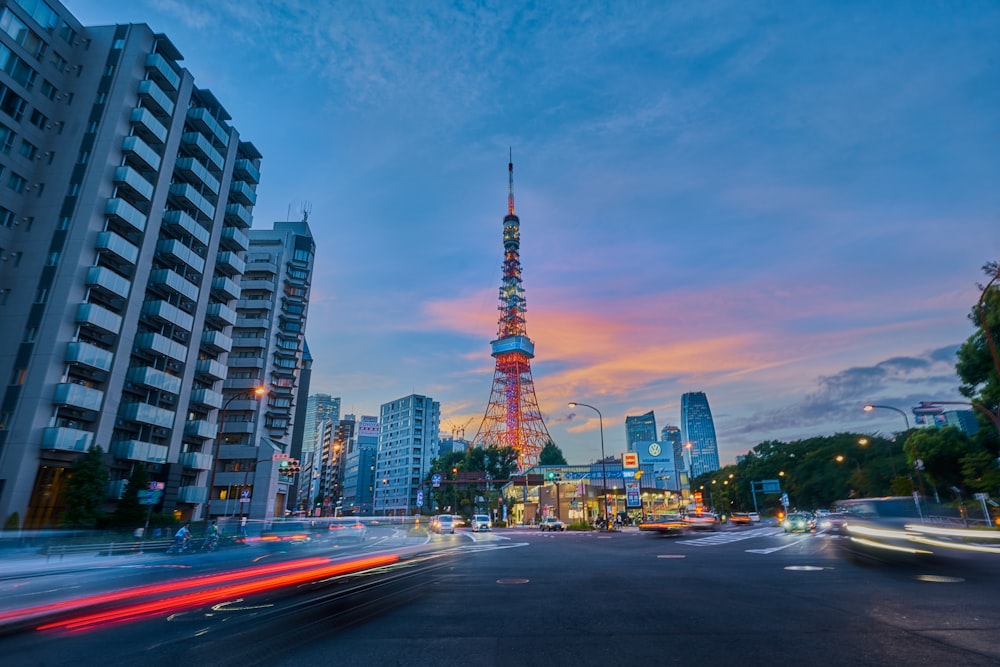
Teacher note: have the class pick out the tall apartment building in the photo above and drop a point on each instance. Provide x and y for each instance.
(407, 443)
(267, 350)
(698, 429)
(125, 200)
(639, 430)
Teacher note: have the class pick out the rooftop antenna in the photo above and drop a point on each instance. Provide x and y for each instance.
(510, 191)
(306, 210)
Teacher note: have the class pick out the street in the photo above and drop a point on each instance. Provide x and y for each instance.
(749, 595)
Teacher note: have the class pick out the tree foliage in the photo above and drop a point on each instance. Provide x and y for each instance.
(551, 455)
(978, 363)
(86, 489)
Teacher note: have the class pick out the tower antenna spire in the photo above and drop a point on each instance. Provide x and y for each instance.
(510, 189)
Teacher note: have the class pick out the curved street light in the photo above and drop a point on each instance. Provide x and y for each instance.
(257, 392)
(604, 465)
(869, 407)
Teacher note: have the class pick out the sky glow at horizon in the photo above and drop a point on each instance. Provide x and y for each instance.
(783, 205)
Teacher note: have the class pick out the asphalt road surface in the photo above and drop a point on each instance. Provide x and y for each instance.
(747, 596)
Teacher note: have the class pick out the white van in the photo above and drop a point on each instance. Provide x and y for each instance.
(481, 522)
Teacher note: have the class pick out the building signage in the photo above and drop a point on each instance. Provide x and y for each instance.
(633, 498)
(630, 460)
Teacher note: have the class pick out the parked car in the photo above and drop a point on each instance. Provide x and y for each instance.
(481, 522)
(348, 529)
(702, 520)
(665, 524)
(552, 523)
(799, 522)
(443, 524)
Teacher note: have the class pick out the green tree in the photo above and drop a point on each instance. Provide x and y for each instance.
(551, 455)
(979, 358)
(129, 513)
(941, 451)
(86, 489)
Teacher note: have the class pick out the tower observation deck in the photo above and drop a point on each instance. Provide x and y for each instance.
(512, 416)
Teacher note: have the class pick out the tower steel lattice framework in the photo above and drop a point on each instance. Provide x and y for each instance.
(512, 416)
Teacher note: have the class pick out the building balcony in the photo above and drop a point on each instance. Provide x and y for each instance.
(211, 369)
(132, 185)
(226, 289)
(242, 193)
(239, 428)
(107, 281)
(234, 238)
(195, 460)
(121, 210)
(181, 221)
(160, 344)
(245, 170)
(197, 144)
(137, 450)
(78, 396)
(204, 121)
(194, 495)
(145, 413)
(257, 284)
(145, 376)
(91, 356)
(188, 194)
(66, 439)
(191, 169)
(174, 283)
(136, 149)
(199, 428)
(174, 249)
(241, 384)
(253, 323)
(248, 342)
(220, 314)
(238, 216)
(168, 314)
(216, 341)
(120, 251)
(160, 71)
(246, 362)
(146, 125)
(230, 263)
(91, 314)
(153, 96)
(254, 304)
(207, 398)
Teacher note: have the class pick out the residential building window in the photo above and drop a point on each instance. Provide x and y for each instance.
(48, 90)
(38, 119)
(16, 182)
(28, 149)
(6, 138)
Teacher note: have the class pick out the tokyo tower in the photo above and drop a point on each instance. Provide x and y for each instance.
(512, 415)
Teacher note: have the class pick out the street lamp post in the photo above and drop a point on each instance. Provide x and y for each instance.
(604, 465)
(689, 447)
(870, 407)
(257, 393)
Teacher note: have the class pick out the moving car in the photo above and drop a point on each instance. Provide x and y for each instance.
(799, 522)
(702, 520)
(348, 529)
(745, 517)
(833, 523)
(665, 524)
(481, 522)
(287, 532)
(443, 524)
(552, 523)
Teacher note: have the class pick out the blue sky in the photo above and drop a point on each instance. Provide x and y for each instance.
(785, 205)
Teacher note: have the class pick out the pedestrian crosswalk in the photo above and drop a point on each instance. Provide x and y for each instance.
(731, 536)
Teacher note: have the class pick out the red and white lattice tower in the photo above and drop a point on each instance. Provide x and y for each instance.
(512, 416)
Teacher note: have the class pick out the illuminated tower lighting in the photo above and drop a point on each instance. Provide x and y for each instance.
(512, 416)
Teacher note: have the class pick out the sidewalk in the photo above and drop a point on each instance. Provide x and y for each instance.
(30, 562)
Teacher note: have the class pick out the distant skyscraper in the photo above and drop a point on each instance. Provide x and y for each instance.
(318, 408)
(698, 428)
(640, 429)
(407, 443)
(671, 437)
(359, 468)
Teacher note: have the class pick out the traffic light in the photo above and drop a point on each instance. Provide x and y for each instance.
(551, 476)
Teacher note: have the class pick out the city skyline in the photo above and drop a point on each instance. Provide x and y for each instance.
(787, 210)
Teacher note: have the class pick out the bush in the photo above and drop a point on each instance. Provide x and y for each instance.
(579, 525)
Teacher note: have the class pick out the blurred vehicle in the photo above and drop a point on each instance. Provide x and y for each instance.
(700, 519)
(443, 523)
(799, 522)
(481, 522)
(348, 529)
(745, 518)
(833, 522)
(287, 532)
(552, 523)
(665, 524)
